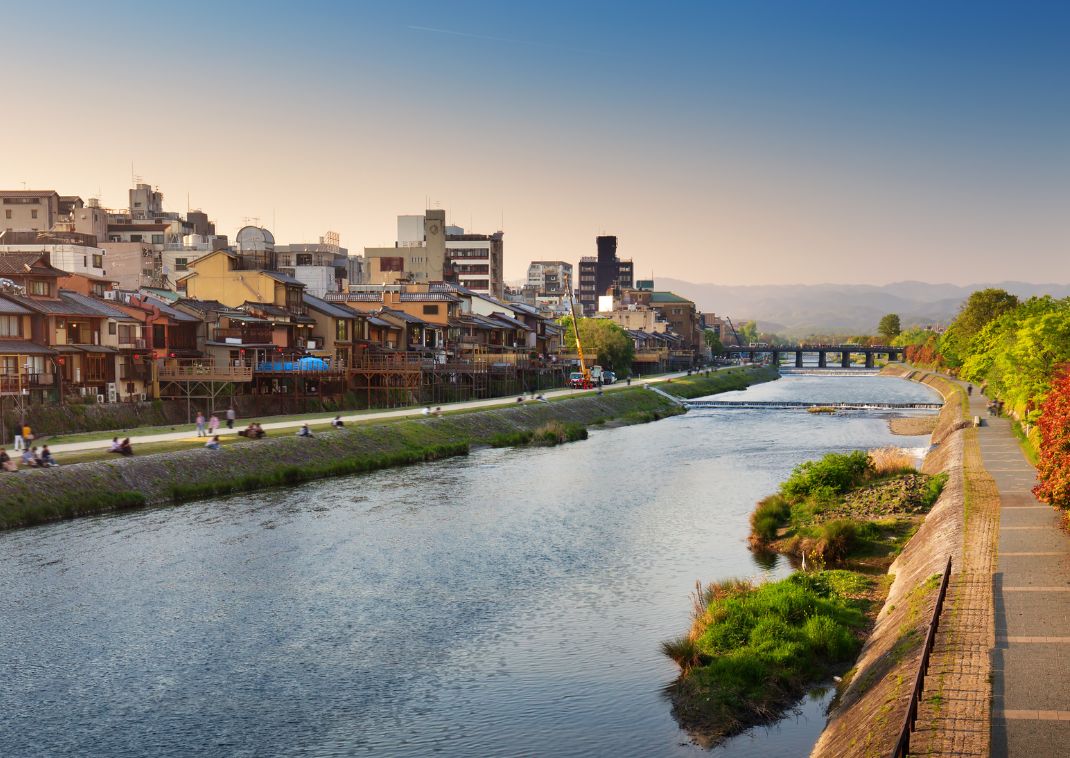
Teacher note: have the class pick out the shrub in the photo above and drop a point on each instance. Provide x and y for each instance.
(836, 471)
(1053, 455)
(770, 514)
(933, 487)
(837, 539)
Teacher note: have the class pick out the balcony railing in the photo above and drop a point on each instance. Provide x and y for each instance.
(206, 373)
(10, 383)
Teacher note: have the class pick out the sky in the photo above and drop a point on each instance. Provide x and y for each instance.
(753, 142)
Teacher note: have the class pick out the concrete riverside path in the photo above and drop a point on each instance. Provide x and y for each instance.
(1031, 590)
(189, 433)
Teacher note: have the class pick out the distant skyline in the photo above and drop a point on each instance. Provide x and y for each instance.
(732, 143)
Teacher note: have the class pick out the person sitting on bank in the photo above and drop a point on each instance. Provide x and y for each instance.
(28, 458)
(338, 423)
(114, 445)
(125, 448)
(47, 460)
(213, 444)
(5, 460)
(258, 431)
(304, 431)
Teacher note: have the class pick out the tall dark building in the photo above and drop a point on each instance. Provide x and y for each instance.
(598, 275)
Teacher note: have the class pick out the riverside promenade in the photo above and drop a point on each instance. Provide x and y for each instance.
(1031, 592)
(188, 434)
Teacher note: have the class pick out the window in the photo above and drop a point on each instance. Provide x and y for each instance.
(38, 287)
(181, 264)
(137, 204)
(127, 334)
(157, 239)
(111, 328)
(33, 213)
(10, 326)
(7, 213)
(97, 288)
(430, 310)
(9, 365)
(341, 330)
(135, 238)
(98, 260)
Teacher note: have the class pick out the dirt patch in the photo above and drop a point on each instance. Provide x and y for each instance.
(913, 425)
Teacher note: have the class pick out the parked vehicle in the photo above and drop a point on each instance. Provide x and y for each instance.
(577, 381)
(608, 377)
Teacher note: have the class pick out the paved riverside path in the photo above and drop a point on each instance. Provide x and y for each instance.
(189, 433)
(1031, 590)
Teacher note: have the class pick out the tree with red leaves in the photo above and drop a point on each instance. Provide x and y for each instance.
(1053, 465)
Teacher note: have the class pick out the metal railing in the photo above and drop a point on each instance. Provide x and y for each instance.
(902, 747)
(206, 373)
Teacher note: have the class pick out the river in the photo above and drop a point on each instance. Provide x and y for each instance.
(507, 603)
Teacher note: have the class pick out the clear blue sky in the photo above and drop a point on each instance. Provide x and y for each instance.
(744, 142)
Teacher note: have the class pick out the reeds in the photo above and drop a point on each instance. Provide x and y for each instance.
(891, 460)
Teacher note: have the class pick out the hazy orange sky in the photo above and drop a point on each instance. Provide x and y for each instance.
(730, 143)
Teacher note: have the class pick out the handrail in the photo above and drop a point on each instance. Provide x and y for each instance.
(902, 747)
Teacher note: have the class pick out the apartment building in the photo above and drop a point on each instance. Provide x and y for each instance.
(602, 273)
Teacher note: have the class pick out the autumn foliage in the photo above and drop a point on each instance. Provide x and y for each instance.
(1053, 466)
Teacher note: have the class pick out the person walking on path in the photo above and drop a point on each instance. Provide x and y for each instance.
(200, 424)
(213, 424)
(18, 439)
(232, 416)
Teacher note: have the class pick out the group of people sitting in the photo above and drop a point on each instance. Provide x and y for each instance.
(254, 432)
(122, 448)
(30, 457)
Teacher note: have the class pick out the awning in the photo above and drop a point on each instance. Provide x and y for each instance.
(96, 349)
(19, 347)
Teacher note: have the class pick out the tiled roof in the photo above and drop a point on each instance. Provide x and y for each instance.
(18, 264)
(11, 308)
(167, 310)
(60, 307)
(335, 310)
(511, 321)
(28, 193)
(284, 278)
(23, 347)
(402, 315)
(101, 307)
(419, 297)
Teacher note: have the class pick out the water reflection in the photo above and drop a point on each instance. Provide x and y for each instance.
(508, 603)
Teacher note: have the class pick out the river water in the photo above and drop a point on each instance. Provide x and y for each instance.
(507, 603)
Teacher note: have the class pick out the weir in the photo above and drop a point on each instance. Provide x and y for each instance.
(752, 404)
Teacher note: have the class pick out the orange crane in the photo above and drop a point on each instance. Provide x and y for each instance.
(587, 383)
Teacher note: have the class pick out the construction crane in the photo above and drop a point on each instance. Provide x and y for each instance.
(587, 383)
(734, 332)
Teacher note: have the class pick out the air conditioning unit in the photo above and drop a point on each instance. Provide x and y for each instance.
(100, 399)
(144, 397)
(110, 294)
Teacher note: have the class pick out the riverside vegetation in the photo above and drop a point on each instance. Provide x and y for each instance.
(36, 496)
(753, 649)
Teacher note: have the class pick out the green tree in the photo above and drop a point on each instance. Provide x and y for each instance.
(980, 308)
(748, 332)
(713, 341)
(889, 326)
(603, 341)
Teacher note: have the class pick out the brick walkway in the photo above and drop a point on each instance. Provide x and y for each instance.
(1031, 650)
(954, 719)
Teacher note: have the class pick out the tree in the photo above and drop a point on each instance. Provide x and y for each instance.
(748, 332)
(713, 341)
(603, 341)
(981, 308)
(1053, 464)
(889, 326)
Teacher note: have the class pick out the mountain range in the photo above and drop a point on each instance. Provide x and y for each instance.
(801, 310)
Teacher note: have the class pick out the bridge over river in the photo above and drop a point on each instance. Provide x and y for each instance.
(845, 352)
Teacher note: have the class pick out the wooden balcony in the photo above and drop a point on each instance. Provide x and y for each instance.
(11, 384)
(250, 336)
(205, 373)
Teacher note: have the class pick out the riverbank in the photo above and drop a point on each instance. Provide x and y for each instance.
(31, 497)
(875, 694)
(884, 616)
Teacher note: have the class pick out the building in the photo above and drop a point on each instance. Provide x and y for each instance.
(30, 210)
(549, 278)
(73, 252)
(427, 250)
(598, 275)
(323, 267)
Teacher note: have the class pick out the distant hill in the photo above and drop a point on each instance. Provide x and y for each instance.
(846, 308)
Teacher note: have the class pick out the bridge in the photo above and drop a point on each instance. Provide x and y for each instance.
(751, 352)
(752, 404)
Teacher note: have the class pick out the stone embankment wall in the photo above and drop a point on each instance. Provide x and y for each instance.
(872, 704)
(34, 496)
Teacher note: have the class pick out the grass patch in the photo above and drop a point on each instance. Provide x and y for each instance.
(753, 649)
(23, 511)
(846, 507)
